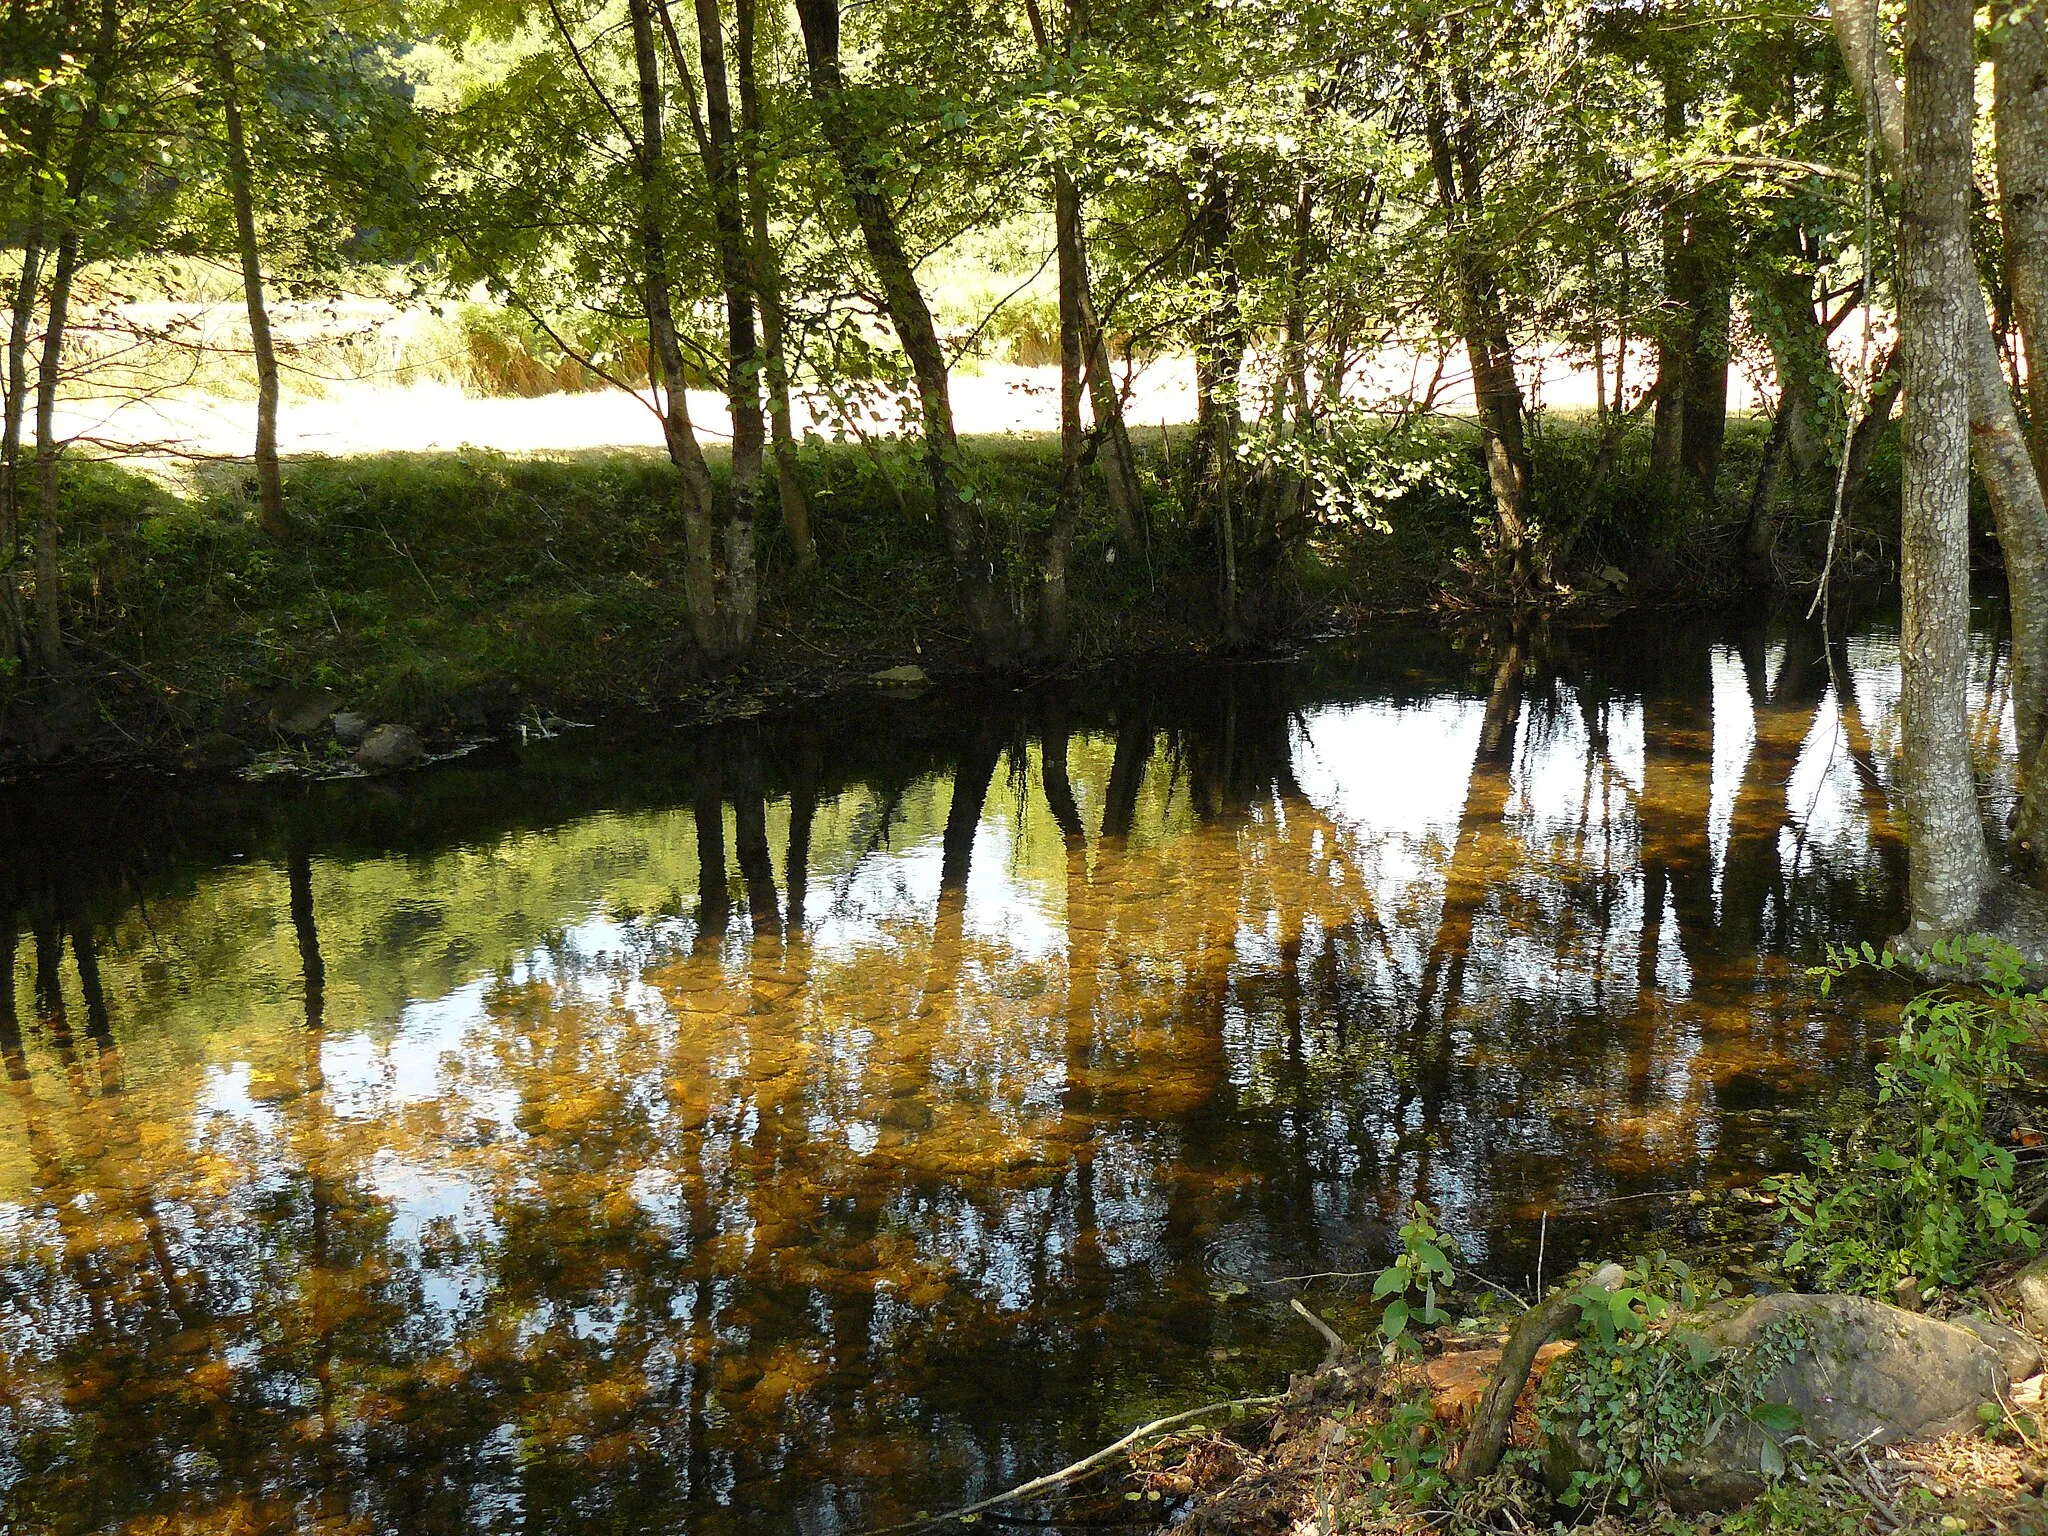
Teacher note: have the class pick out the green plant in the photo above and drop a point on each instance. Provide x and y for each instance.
(1422, 1266)
(1644, 1388)
(1920, 1188)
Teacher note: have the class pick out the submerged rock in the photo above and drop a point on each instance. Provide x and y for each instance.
(389, 748)
(900, 677)
(352, 727)
(1862, 1373)
(303, 711)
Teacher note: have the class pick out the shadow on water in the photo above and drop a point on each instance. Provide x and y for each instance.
(793, 1125)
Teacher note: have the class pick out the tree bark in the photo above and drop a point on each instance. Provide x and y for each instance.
(49, 370)
(2020, 115)
(796, 511)
(242, 193)
(1219, 362)
(700, 577)
(1938, 294)
(850, 141)
(1059, 538)
(1997, 443)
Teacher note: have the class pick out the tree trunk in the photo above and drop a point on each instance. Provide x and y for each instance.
(1059, 538)
(13, 640)
(1951, 867)
(241, 188)
(915, 332)
(1496, 393)
(2020, 108)
(741, 597)
(49, 593)
(1704, 429)
(1219, 362)
(796, 511)
(700, 577)
(1667, 430)
(1997, 442)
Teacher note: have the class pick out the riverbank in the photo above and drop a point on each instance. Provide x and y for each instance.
(463, 594)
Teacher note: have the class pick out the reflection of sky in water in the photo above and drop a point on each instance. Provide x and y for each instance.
(764, 1212)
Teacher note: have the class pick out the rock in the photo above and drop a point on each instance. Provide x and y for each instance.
(2020, 1355)
(216, 752)
(351, 727)
(1614, 576)
(389, 748)
(2031, 1287)
(303, 711)
(900, 677)
(1906, 1293)
(1866, 1372)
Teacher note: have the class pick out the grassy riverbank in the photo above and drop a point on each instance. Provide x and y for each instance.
(455, 591)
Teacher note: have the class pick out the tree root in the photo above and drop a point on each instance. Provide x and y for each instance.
(1488, 1437)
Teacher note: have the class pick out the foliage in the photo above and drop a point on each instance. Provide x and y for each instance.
(1645, 1385)
(1922, 1187)
(1419, 1270)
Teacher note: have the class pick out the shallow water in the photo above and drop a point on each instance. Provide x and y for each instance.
(797, 1125)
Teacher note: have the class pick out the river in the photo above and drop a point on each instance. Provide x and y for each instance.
(796, 1124)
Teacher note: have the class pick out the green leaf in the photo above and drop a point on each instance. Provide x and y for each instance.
(1778, 1418)
(1772, 1461)
(1394, 1321)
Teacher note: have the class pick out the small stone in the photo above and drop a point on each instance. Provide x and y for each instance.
(900, 677)
(216, 752)
(1906, 1293)
(352, 727)
(303, 711)
(389, 748)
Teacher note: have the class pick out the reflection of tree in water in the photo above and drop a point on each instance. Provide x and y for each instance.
(787, 1207)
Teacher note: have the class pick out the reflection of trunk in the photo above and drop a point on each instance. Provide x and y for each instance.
(92, 992)
(714, 901)
(1937, 291)
(1059, 783)
(1452, 128)
(796, 512)
(50, 1010)
(700, 578)
(750, 834)
(1472, 872)
(1678, 775)
(858, 157)
(1753, 871)
(803, 809)
(241, 189)
(1126, 773)
(312, 968)
(12, 1053)
(1997, 444)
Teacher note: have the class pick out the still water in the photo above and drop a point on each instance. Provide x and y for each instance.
(796, 1125)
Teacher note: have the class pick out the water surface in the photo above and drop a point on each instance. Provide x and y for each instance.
(791, 1126)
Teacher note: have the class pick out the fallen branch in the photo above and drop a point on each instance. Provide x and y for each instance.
(1488, 1437)
(1338, 1351)
(1074, 1471)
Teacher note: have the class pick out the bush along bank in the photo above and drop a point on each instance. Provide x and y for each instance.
(1887, 1378)
(464, 594)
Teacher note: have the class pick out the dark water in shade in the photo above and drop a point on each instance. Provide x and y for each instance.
(792, 1126)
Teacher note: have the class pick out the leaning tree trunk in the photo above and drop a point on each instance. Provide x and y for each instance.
(1998, 444)
(2020, 111)
(796, 511)
(1951, 868)
(1496, 393)
(700, 577)
(241, 189)
(858, 155)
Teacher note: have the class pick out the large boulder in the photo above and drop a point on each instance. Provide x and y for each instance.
(389, 748)
(303, 712)
(1861, 1373)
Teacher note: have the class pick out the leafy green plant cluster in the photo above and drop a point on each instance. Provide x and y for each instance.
(1643, 1388)
(1921, 1187)
(1413, 1280)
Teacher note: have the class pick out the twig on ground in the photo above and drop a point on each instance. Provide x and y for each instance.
(1074, 1471)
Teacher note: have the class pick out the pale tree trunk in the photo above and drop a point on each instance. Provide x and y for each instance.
(796, 511)
(1496, 393)
(700, 577)
(2020, 112)
(987, 614)
(1938, 303)
(241, 188)
(1997, 442)
(741, 597)
(49, 593)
